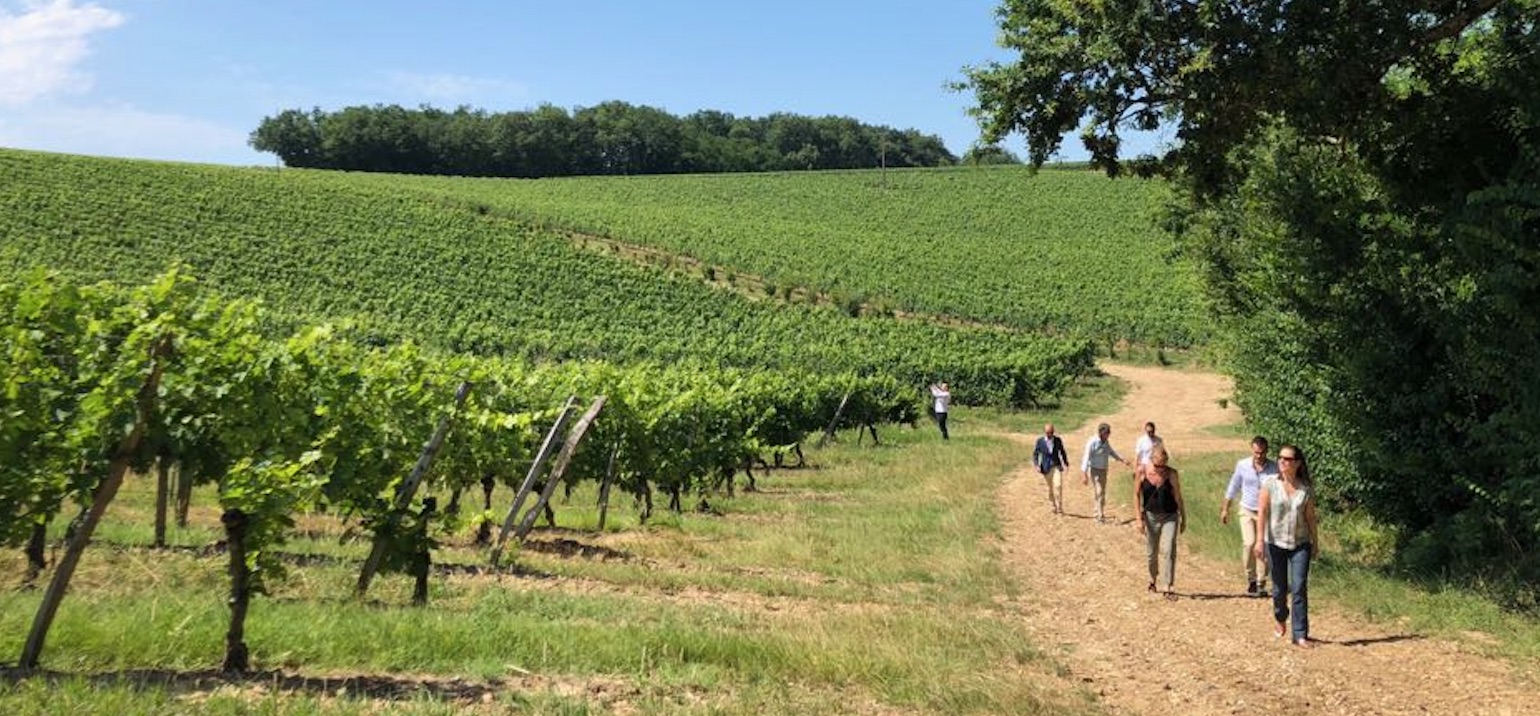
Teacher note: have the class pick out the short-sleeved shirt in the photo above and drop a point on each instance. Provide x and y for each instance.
(1285, 515)
(1247, 481)
(1143, 447)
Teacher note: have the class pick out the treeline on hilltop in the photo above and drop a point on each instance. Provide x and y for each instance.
(610, 138)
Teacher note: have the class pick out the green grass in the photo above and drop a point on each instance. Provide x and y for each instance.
(868, 579)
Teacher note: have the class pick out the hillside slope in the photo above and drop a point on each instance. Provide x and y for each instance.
(319, 246)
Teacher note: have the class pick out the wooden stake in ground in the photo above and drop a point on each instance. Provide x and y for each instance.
(108, 489)
(529, 479)
(408, 488)
(828, 433)
(568, 448)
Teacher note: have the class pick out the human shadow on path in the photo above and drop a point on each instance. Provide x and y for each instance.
(1371, 641)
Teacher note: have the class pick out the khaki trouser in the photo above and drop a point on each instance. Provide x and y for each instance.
(1256, 569)
(1054, 479)
(1160, 547)
(1099, 491)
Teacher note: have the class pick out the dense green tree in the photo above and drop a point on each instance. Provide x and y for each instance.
(608, 138)
(990, 154)
(1363, 188)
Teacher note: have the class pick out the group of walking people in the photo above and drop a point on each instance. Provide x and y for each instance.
(1277, 521)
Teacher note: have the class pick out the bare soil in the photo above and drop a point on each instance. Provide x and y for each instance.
(1211, 650)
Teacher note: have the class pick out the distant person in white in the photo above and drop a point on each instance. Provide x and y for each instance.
(943, 396)
(1145, 444)
(1093, 467)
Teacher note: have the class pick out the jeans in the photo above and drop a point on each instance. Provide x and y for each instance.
(941, 420)
(1160, 546)
(1291, 575)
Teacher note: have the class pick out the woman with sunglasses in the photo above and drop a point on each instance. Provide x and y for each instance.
(1161, 515)
(1286, 537)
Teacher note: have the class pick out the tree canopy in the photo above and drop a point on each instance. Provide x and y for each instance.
(1362, 185)
(608, 138)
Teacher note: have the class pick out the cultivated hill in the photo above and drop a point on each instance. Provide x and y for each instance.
(1067, 250)
(409, 263)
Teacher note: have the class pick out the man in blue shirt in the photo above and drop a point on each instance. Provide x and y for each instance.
(1246, 482)
(1093, 468)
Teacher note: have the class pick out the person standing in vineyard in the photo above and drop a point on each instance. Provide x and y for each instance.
(1093, 468)
(1051, 460)
(942, 394)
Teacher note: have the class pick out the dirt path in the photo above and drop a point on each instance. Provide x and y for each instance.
(1211, 651)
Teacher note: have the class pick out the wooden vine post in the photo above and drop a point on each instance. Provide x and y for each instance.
(408, 488)
(563, 460)
(529, 479)
(828, 433)
(122, 456)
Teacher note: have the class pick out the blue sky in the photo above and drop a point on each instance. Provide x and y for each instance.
(188, 80)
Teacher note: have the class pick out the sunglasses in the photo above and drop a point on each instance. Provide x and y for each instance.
(1287, 458)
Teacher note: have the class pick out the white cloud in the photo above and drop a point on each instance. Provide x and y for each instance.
(127, 132)
(447, 88)
(42, 45)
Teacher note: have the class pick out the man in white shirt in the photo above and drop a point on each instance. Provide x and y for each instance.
(1093, 467)
(1145, 444)
(1246, 482)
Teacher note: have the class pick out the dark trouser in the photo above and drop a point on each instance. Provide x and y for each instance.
(1291, 575)
(941, 420)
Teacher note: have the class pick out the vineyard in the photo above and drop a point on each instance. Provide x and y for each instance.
(401, 263)
(1061, 250)
(306, 342)
(100, 381)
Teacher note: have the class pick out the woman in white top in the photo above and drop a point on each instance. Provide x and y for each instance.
(1286, 535)
(943, 397)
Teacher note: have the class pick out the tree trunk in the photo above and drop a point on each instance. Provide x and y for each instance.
(422, 562)
(604, 489)
(484, 531)
(237, 656)
(162, 496)
(184, 488)
(37, 559)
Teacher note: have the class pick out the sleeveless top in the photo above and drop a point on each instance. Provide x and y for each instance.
(1159, 500)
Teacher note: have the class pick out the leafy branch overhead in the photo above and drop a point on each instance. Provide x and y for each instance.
(1362, 187)
(1216, 70)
